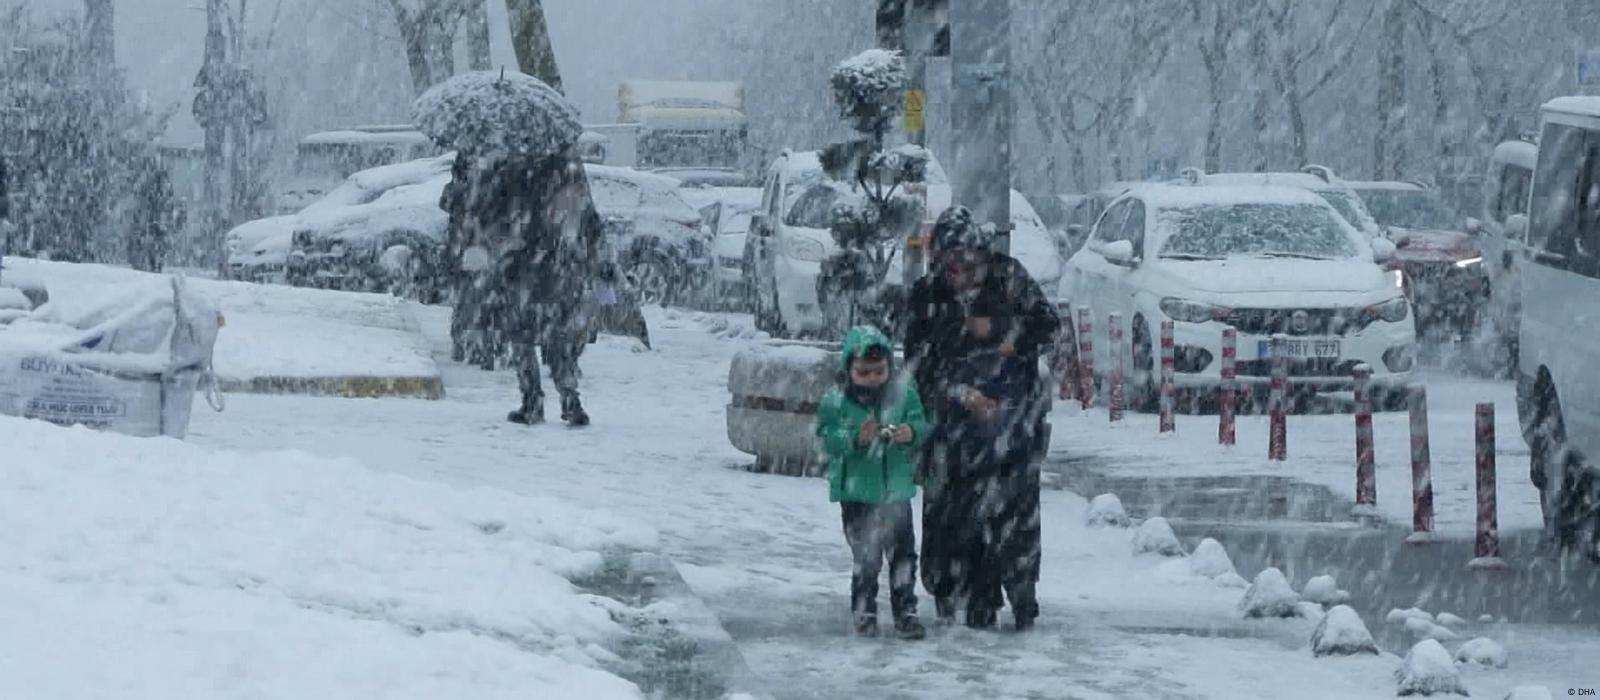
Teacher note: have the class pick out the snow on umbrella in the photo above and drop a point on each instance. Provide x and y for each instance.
(489, 112)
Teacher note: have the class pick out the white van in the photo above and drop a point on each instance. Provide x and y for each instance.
(1558, 389)
(1505, 223)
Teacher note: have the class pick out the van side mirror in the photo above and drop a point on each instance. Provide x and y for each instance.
(1118, 253)
(1383, 251)
(1516, 226)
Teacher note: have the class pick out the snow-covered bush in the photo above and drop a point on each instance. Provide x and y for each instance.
(1482, 651)
(1342, 633)
(1428, 670)
(868, 88)
(1423, 629)
(1324, 590)
(1155, 536)
(1270, 596)
(1398, 616)
(1106, 511)
(1211, 560)
(1449, 620)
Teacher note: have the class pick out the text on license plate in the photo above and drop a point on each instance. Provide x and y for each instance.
(1301, 348)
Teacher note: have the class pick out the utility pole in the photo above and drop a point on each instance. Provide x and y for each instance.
(981, 111)
(210, 111)
(920, 30)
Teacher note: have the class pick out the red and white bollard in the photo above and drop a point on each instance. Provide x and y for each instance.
(1278, 432)
(1486, 554)
(1366, 465)
(1168, 378)
(1065, 363)
(1085, 358)
(1118, 368)
(1421, 467)
(1227, 393)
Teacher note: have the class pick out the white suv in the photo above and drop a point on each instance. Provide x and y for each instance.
(1558, 388)
(1262, 260)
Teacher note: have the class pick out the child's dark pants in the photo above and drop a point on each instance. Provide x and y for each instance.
(875, 532)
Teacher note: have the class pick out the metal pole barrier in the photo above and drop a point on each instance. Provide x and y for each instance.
(1487, 549)
(1118, 368)
(1421, 467)
(1278, 433)
(1085, 358)
(1366, 476)
(1168, 366)
(1228, 392)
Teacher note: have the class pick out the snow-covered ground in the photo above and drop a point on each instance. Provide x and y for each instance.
(276, 331)
(1322, 451)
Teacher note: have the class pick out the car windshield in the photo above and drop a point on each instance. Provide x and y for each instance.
(814, 209)
(1290, 230)
(1416, 209)
(1348, 207)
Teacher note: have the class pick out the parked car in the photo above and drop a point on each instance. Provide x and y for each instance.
(1505, 222)
(655, 236)
(727, 212)
(1439, 256)
(324, 160)
(1558, 389)
(1262, 260)
(258, 251)
(792, 240)
(1314, 178)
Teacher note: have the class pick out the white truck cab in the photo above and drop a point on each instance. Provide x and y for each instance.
(1558, 389)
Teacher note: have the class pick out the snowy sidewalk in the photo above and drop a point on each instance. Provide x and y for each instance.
(766, 552)
(286, 339)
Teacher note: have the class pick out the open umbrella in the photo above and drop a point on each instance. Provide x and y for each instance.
(505, 112)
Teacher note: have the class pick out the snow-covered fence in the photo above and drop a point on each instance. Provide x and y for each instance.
(1278, 433)
(1366, 476)
(1118, 368)
(1085, 357)
(1421, 467)
(1228, 392)
(1487, 545)
(775, 389)
(1168, 378)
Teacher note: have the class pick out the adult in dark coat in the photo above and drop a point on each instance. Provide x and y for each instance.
(974, 329)
(156, 217)
(529, 237)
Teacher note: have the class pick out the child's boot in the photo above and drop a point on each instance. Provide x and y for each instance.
(910, 628)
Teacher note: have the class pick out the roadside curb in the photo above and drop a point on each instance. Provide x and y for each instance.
(352, 387)
(659, 573)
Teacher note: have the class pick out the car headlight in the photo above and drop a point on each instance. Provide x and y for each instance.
(1191, 311)
(807, 249)
(1398, 278)
(1469, 262)
(1393, 310)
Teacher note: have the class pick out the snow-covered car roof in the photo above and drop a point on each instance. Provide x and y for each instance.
(1579, 105)
(735, 198)
(1163, 196)
(409, 137)
(1391, 185)
(1305, 181)
(245, 236)
(631, 194)
(411, 207)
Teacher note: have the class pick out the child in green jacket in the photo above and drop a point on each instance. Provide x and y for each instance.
(871, 426)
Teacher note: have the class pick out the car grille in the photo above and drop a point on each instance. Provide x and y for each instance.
(1321, 367)
(1314, 321)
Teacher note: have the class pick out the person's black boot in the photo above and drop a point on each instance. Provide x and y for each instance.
(531, 412)
(944, 610)
(910, 628)
(572, 410)
(981, 618)
(1025, 622)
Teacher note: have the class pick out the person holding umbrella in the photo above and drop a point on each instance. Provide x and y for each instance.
(975, 327)
(524, 222)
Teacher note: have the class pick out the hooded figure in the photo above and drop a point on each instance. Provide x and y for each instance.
(870, 427)
(528, 239)
(975, 328)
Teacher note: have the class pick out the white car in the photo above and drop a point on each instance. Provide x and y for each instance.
(1314, 178)
(728, 213)
(792, 239)
(1262, 260)
(1558, 389)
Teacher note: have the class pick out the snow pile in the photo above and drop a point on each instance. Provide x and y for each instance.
(1106, 511)
(1342, 633)
(1451, 620)
(1529, 692)
(1231, 580)
(1482, 651)
(1270, 596)
(1155, 536)
(1397, 615)
(185, 572)
(1422, 629)
(1211, 560)
(498, 111)
(1428, 670)
(1324, 590)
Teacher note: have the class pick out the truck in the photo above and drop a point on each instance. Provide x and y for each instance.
(694, 131)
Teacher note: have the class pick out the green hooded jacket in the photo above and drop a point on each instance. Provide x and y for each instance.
(881, 472)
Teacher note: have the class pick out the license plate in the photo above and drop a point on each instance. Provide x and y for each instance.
(1301, 348)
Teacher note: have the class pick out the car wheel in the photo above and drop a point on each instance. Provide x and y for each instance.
(652, 275)
(1557, 471)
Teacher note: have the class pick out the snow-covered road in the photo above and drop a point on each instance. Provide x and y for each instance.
(767, 555)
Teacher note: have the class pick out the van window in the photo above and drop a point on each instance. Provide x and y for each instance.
(1566, 200)
(1512, 199)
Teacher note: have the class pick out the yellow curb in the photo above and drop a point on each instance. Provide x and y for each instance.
(431, 388)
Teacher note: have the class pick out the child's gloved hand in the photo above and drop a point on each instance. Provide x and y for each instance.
(867, 434)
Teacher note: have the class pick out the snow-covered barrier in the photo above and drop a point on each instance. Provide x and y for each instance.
(776, 387)
(1428, 670)
(125, 359)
